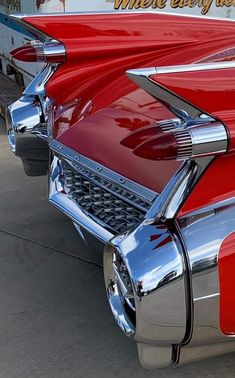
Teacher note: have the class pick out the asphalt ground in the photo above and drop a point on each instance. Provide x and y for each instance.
(54, 317)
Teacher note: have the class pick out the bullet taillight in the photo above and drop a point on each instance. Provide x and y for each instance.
(50, 52)
(141, 135)
(181, 144)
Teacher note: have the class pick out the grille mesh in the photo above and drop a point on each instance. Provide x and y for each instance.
(112, 205)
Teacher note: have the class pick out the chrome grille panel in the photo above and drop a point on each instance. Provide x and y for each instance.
(110, 204)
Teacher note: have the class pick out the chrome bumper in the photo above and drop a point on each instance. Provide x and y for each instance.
(144, 303)
(147, 271)
(27, 120)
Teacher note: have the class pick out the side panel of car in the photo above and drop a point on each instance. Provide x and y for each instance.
(209, 237)
(227, 292)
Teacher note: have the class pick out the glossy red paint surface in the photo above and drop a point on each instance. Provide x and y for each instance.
(97, 107)
(99, 136)
(25, 54)
(100, 48)
(217, 184)
(226, 277)
(211, 91)
(162, 147)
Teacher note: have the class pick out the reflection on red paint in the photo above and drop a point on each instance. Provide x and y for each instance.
(162, 147)
(227, 292)
(217, 184)
(25, 54)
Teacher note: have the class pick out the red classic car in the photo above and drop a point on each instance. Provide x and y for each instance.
(134, 114)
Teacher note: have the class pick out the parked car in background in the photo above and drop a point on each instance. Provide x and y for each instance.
(134, 116)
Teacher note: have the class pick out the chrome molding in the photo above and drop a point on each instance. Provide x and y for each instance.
(72, 156)
(147, 72)
(37, 86)
(175, 193)
(158, 281)
(22, 15)
(142, 78)
(27, 28)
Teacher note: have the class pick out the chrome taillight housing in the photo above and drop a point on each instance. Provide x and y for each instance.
(186, 143)
(36, 51)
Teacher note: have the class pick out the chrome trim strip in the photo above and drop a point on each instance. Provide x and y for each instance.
(128, 184)
(142, 78)
(181, 68)
(61, 201)
(20, 16)
(37, 86)
(175, 193)
(195, 67)
(207, 297)
(29, 29)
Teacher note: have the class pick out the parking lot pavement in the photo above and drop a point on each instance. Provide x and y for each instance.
(54, 318)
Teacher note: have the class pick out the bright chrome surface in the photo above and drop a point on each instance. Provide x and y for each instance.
(59, 199)
(175, 193)
(109, 203)
(163, 206)
(20, 16)
(142, 78)
(209, 139)
(24, 118)
(156, 265)
(24, 114)
(146, 194)
(114, 297)
(37, 86)
(201, 140)
(114, 202)
(54, 49)
(181, 68)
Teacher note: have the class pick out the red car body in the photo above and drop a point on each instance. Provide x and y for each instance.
(97, 115)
